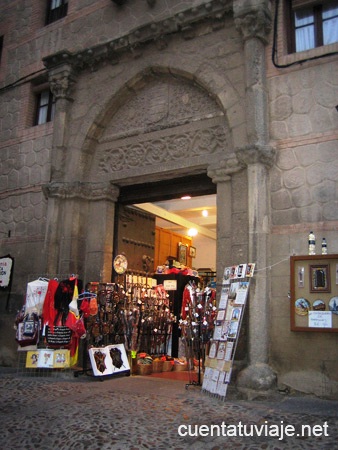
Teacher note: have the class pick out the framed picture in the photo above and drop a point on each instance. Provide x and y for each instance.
(320, 278)
(192, 252)
(182, 254)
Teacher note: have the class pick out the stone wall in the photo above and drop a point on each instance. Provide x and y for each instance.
(303, 126)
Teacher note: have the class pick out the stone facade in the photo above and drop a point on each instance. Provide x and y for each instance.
(150, 91)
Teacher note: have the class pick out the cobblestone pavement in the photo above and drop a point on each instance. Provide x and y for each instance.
(145, 413)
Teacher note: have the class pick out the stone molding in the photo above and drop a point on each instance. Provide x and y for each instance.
(255, 24)
(183, 22)
(225, 168)
(255, 153)
(81, 190)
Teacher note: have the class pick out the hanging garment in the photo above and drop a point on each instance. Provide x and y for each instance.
(63, 297)
(49, 313)
(35, 295)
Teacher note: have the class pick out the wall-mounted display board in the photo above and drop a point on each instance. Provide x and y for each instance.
(314, 293)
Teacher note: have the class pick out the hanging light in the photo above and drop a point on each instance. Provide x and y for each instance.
(192, 232)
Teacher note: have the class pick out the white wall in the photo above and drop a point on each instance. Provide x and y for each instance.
(205, 253)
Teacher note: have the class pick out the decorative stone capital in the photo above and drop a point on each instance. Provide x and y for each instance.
(225, 168)
(61, 77)
(81, 190)
(254, 24)
(252, 154)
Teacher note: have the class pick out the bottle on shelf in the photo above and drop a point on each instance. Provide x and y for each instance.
(312, 243)
(324, 247)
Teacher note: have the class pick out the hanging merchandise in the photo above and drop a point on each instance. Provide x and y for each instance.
(136, 316)
(49, 312)
(51, 321)
(35, 295)
(27, 331)
(198, 315)
(64, 295)
(76, 324)
(60, 336)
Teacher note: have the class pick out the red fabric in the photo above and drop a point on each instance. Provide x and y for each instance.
(49, 313)
(186, 299)
(76, 324)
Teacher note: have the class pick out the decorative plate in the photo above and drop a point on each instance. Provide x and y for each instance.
(319, 305)
(302, 306)
(333, 305)
(120, 264)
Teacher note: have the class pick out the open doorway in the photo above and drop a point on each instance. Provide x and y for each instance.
(182, 206)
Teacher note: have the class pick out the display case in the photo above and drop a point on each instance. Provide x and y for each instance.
(314, 293)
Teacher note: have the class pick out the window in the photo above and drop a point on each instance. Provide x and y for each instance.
(56, 10)
(45, 107)
(313, 23)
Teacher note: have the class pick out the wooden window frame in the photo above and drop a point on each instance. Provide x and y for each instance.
(318, 22)
(50, 107)
(57, 13)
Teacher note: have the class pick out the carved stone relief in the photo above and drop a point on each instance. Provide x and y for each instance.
(163, 103)
(162, 149)
(168, 120)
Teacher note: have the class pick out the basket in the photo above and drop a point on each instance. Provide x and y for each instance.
(157, 366)
(180, 367)
(167, 366)
(144, 369)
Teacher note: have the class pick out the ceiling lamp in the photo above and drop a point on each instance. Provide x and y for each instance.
(205, 213)
(186, 197)
(192, 232)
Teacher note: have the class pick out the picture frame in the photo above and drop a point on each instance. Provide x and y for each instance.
(182, 254)
(320, 278)
(192, 252)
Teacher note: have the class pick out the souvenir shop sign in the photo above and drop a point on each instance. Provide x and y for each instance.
(6, 265)
(170, 285)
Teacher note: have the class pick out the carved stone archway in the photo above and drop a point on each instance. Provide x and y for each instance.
(165, 128)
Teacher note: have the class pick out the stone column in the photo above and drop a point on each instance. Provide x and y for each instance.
(80, 229)
(253, 20)
(61, 80)
(221, 175)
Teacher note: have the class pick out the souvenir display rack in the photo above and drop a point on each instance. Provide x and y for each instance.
(314, 293)
(231, 307)
(134, 313)
(53, 362)
(197, 323)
